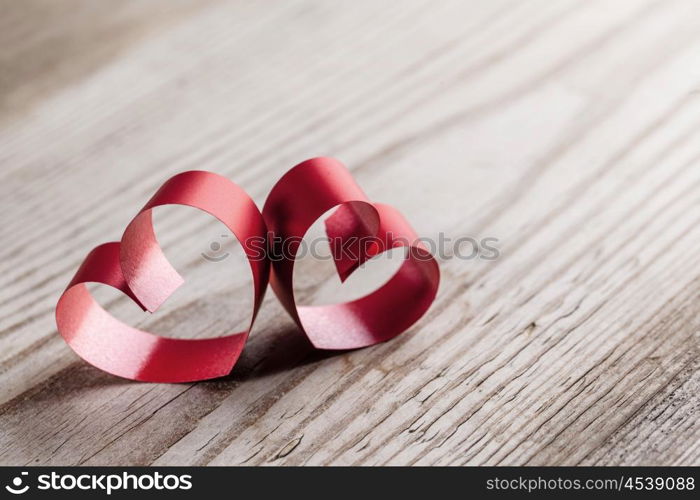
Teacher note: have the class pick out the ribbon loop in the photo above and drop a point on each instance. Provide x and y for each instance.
(306, 192)
(138, 267)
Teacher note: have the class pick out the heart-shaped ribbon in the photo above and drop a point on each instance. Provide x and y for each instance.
(303, 195)
(136, 265)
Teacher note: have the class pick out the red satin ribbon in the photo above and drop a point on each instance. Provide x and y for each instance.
(298, 199)
(136, 266)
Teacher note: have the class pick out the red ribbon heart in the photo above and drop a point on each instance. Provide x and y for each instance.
(358, 229)
(298, 199)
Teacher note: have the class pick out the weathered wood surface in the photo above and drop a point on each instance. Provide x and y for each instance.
(568, 130)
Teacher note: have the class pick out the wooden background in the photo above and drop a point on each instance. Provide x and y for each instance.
(568, 130)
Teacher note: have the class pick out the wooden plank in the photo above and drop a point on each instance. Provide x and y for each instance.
(567, 130)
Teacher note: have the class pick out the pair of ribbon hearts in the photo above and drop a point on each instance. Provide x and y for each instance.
(137, 266)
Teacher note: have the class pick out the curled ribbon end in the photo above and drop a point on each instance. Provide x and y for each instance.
(345, 273)
(351, 229)
(155, 295)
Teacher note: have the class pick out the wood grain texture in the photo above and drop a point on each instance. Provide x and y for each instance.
(568, 130)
